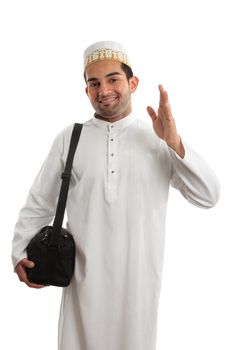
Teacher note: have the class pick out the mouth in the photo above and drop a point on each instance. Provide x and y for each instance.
(107, 100)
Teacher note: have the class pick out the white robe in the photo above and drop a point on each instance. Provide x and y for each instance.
(116, 212)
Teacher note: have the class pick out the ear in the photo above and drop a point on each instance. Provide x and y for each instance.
(133, 83)
(86, 89)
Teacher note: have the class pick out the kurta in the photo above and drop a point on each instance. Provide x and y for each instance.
(116, 212)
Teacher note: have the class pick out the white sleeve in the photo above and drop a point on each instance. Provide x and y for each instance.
(40, 205)
(195, 180)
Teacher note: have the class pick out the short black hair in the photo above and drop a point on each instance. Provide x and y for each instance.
(128, 71)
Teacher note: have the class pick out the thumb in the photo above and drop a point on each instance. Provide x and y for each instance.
(28, 263)
(151, 113)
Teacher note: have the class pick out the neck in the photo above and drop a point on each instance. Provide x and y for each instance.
(112, 119)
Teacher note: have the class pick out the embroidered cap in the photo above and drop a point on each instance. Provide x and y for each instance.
(104, 51)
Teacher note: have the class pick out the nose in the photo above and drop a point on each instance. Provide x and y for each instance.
(104, 89)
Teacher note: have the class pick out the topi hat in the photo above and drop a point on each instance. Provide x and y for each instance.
(104, 51)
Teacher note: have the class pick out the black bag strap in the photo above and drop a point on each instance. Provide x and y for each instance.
(66, 176)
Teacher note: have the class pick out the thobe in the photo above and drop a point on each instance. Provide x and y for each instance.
(116, 212)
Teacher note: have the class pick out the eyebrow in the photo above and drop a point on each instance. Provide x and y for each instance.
(113, 73)
(106, 76)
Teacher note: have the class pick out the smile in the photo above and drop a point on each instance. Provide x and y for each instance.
(106, 100)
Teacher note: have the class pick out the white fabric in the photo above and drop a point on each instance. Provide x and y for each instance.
(118, 223)
(113, 45)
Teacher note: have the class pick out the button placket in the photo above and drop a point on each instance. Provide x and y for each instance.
(112, 159)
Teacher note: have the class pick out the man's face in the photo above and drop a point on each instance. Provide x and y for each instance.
(109, 90)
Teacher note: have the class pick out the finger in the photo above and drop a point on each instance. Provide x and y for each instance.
(152, 113)
(36, 286)
(161, 88)
(23, 278)
(163, 97)
(22, 275)
(21, 272)
(27, 263)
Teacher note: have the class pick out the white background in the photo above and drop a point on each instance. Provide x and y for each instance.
(186, 46)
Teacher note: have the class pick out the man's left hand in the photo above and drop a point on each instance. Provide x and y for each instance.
(164, 124)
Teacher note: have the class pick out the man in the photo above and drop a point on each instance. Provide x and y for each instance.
(116, 209)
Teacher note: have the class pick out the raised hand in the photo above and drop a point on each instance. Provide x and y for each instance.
(164, 124)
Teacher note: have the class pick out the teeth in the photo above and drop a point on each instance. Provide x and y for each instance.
(108, 99)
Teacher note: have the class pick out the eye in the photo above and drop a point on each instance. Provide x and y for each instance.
(112, 80)
(93, 84)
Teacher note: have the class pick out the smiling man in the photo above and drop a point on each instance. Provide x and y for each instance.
(122, 171)
(109, 90)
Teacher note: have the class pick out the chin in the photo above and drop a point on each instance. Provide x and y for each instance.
(108, 114)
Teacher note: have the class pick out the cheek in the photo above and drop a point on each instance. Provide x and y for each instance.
(123, 89)
(126, 92)
(91, 95)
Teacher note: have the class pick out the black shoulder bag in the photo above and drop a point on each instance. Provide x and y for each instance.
(53, 248)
